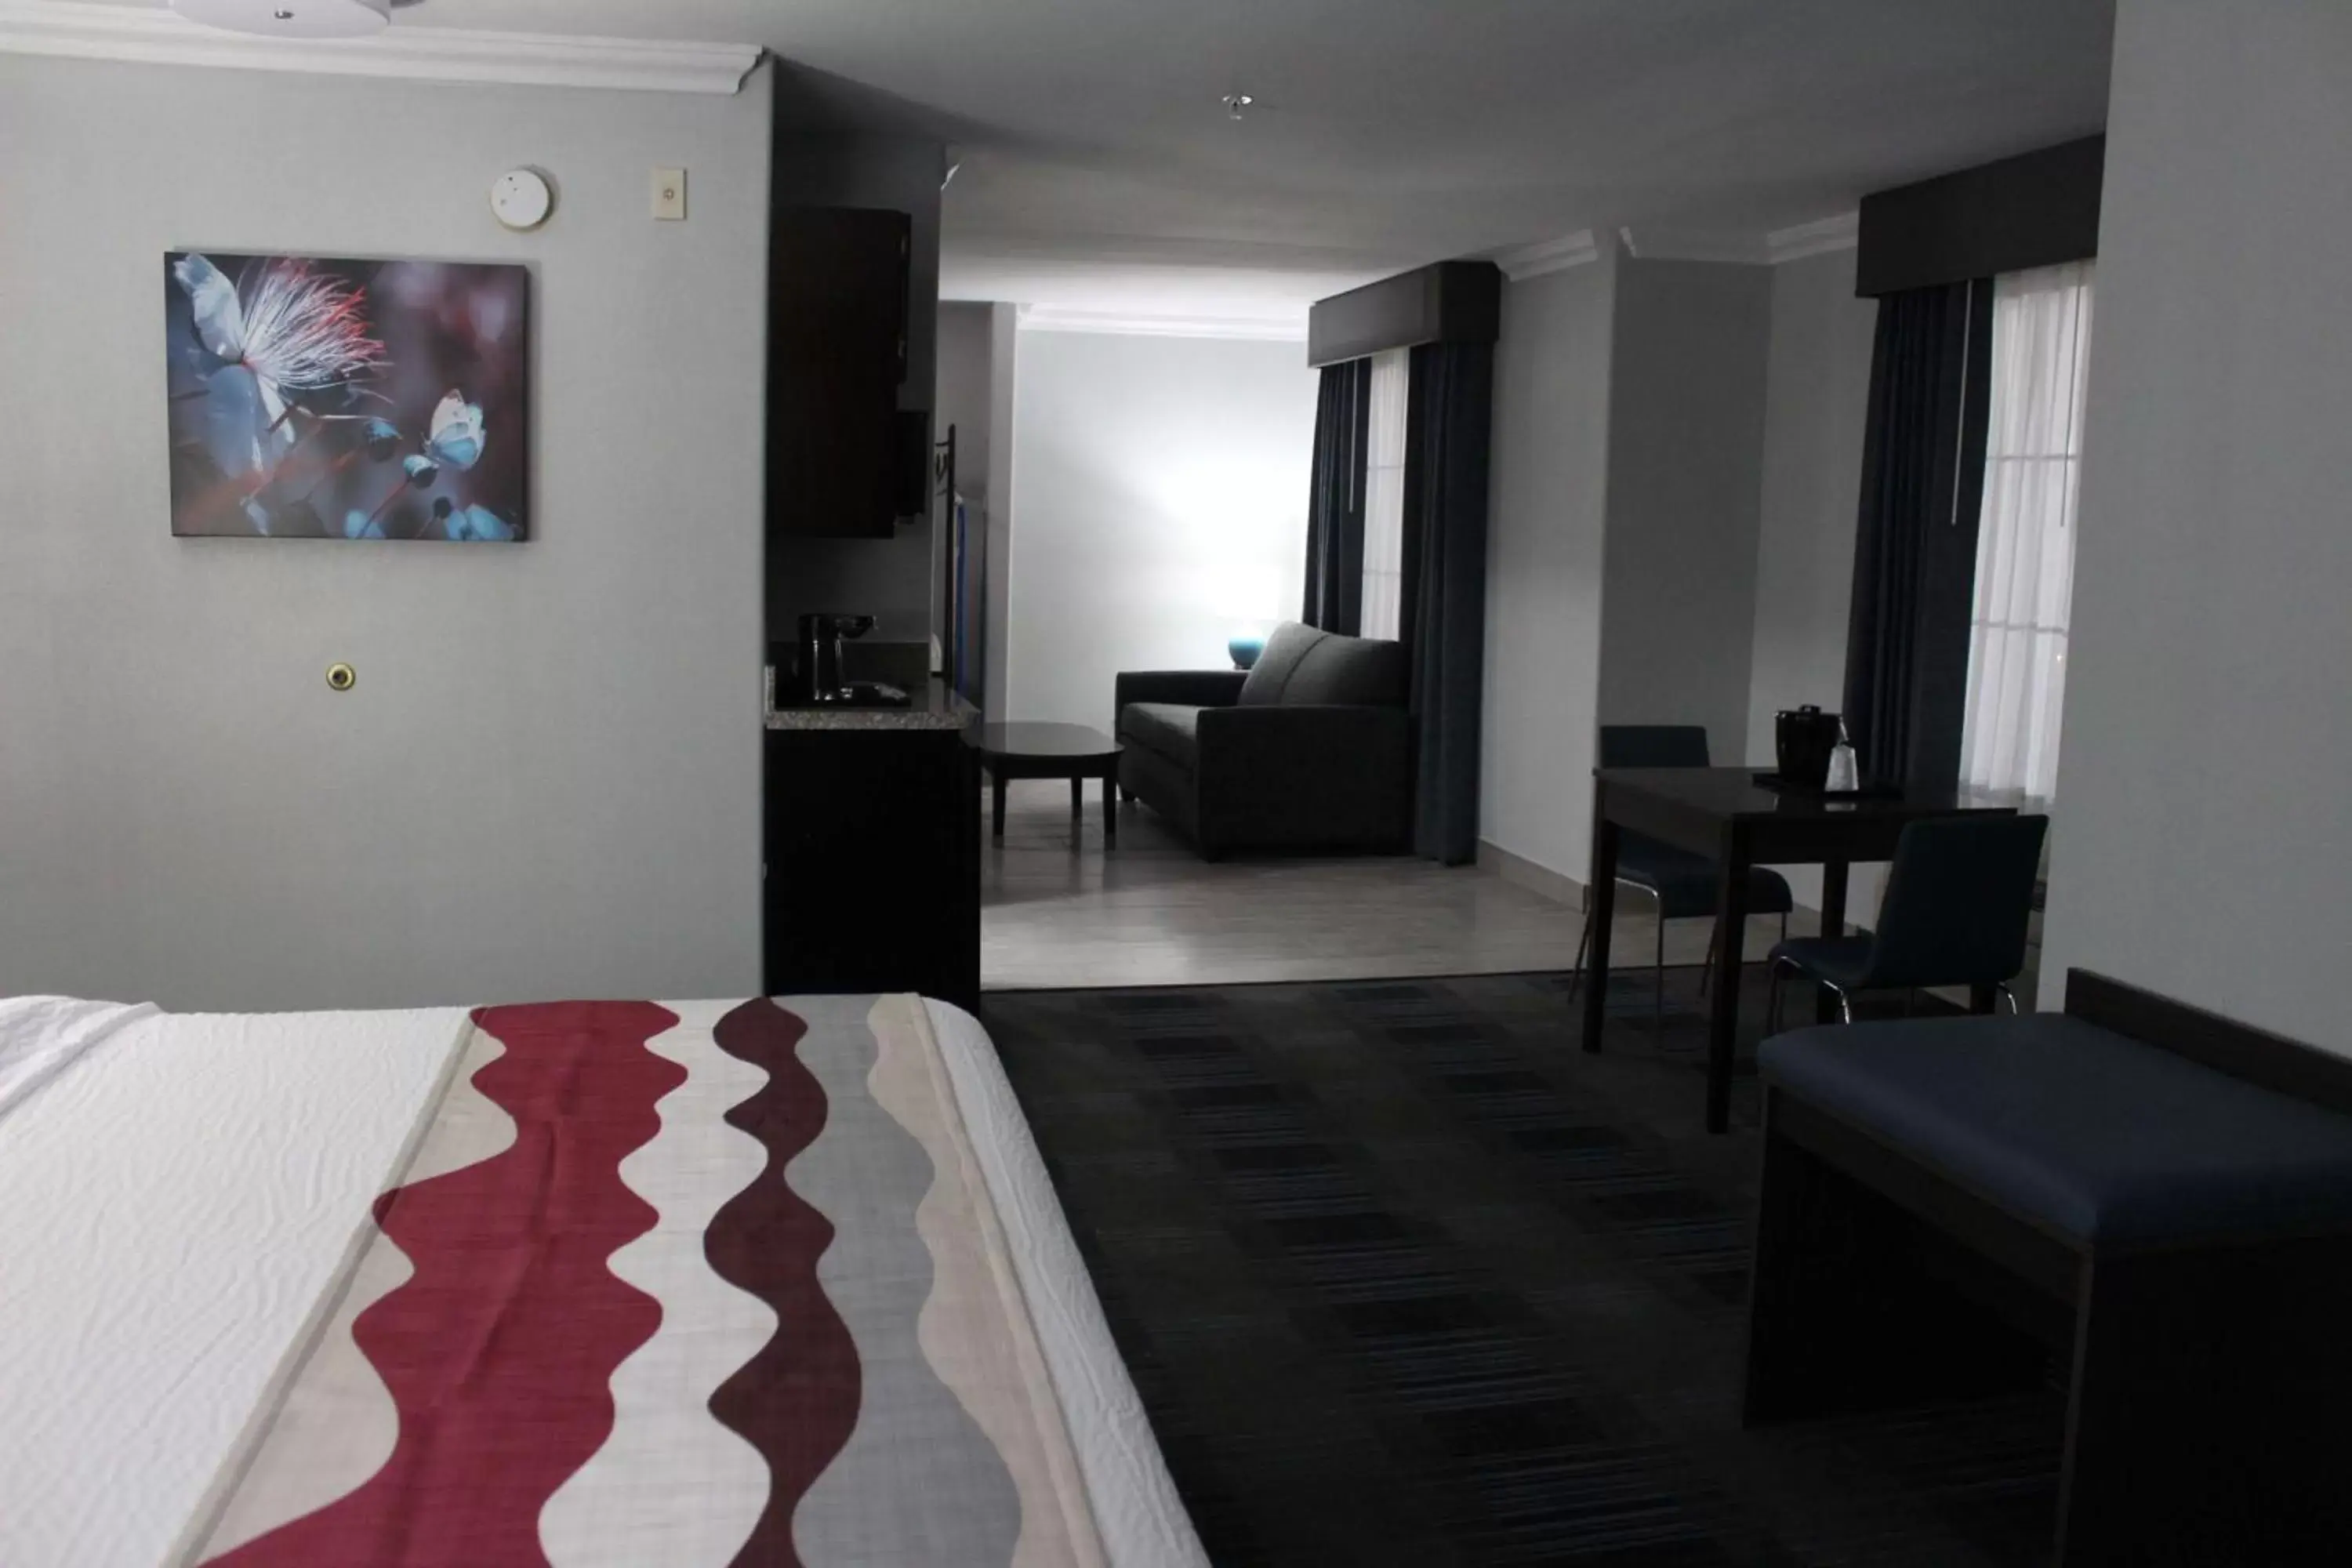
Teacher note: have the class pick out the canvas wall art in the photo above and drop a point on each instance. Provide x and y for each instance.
(326, 399)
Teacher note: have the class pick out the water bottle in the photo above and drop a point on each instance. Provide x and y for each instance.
(1845, 773)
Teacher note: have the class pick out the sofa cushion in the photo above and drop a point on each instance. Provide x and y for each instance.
(1303, 666)
(2097, 1135)
(1168, 729)
(1278, 662)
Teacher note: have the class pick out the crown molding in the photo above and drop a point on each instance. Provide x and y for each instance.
(1547, 255)
(1737, 248)
(1136, 323)
(71, 29)
(1816, 238)
(1729, 248)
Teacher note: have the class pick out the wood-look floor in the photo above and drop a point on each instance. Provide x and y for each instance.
(1059, 913)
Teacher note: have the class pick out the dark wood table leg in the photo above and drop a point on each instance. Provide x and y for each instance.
(1723, 1015)
(1110, 808)
(1601, 897)
(1833, 881)
(1077, 801)
(999, 781)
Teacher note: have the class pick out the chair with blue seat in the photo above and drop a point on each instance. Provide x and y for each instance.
(1958, 899)
(1683, 885)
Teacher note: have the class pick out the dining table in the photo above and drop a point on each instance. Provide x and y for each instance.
(1732, 817)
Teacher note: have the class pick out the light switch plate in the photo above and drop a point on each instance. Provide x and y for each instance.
(669, 194)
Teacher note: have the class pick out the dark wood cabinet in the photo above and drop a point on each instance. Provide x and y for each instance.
(837, 343)
(873, 863)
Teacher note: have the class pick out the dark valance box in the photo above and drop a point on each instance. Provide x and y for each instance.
(1450, 303)
(2037, 209)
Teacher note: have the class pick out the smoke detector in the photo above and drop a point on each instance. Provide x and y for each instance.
(291, 18)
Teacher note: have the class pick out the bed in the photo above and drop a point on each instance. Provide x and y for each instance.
(755, 1283)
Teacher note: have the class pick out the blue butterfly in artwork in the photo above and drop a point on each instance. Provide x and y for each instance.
(456, 435)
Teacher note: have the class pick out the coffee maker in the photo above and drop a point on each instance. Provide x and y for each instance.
(1805, 740)
(821, 683)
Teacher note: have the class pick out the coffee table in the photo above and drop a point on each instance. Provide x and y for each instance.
(1069, 751)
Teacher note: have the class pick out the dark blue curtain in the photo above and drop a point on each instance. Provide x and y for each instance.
(1335, 507)
(1915, 558)
(1448, 417)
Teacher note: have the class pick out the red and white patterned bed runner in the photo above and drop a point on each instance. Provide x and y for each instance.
(719, 1286)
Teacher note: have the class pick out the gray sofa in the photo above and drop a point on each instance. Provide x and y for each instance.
(1312, 750)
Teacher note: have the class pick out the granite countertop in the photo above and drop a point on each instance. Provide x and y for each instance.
(936, 708)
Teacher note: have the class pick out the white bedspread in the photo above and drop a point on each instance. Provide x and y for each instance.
(40, 1036)
(176, 1200)
(1143, 1523)
(177, 1193)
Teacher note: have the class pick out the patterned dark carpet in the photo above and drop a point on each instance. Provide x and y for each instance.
(1406, 1277)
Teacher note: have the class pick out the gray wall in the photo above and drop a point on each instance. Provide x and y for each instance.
(547, 781)
(1816, 401)
(1685, 450)
(2208, 842)
(1817, 398)
(1161, 487)
(965, 396)
(1697, 428)
(1003, 360)
(963, 386)
(891, 578)
(1544, 526)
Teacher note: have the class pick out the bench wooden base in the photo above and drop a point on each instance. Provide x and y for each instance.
(2208, 1382)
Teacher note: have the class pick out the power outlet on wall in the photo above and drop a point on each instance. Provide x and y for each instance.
(669, 194)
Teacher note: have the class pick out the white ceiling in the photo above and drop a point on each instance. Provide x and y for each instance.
(1100, 170)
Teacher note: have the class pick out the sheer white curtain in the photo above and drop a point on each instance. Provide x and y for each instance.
(2025, 545)
(1384, 495)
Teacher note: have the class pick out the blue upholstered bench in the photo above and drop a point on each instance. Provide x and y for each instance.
(2161, 1197)
(2079, 1129)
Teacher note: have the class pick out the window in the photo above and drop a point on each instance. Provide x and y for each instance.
(1384, 496)
(2025, 544)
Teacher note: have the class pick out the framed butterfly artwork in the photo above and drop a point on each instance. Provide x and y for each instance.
(355, 400)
